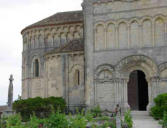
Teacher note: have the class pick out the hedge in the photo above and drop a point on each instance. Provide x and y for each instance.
(41, 107)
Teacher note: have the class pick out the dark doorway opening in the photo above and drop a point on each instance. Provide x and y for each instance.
(138, 91)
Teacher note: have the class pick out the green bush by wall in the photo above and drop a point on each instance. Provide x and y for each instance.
(41, 107)
(160, 106)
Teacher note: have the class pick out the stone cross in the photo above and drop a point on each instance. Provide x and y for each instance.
(10, 91)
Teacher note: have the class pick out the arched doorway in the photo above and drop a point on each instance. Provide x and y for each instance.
(138, 91)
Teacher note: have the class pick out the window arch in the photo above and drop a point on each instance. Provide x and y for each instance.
(77, 77)
(36, 68)
(99, 37)
(105, 74)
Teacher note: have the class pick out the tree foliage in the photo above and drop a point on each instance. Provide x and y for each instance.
(41, 107)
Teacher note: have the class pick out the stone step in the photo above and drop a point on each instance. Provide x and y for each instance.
(140, 113)
(143, 120)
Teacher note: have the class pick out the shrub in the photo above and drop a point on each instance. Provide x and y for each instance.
(164, 120)
(41, 107)
(89, 116)
(77, 121)
(56, 120)
(160, 106)
(107, 124)
(128, 119)
(34, 122)
(96, 111)
(104, 118)
(14, 121)
(3, 122)
(156, 112)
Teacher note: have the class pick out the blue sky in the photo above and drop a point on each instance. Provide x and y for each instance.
(14, 16)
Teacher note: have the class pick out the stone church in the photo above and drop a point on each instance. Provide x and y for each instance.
(111, 52)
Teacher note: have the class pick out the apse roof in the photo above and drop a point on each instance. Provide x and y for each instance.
(58, 18)
(72, 46)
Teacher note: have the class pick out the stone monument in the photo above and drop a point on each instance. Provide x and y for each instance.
(7, 109)
(10, 92)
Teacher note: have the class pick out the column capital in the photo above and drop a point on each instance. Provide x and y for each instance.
(155, 79)
(121, 80)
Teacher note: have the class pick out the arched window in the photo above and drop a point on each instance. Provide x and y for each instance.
(77, 77)
(36, 68)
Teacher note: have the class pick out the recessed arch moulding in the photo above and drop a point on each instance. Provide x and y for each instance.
(111, 81)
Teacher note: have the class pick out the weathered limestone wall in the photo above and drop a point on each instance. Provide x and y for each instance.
(61, 77)
(130, 33)
(54, 77)
(119, 37)
(76, 91)
(36, 42)
(115, 30)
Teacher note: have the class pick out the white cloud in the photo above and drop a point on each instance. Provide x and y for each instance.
(16, 15)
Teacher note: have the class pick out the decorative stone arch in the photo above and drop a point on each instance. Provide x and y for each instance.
(110, 22)
(73, 70)
(36, 41)
(36, 32)
(134, 30)
(71, 28)
(134, 19)
(65, 28)
(41, 32)
(41, 40)
(76, 66)
(35, 57)
(162, 66)
(111, 42)
(100, 23)
(146, 18)
(145, 64)
(32, 32)
(63, 38)
(123, 42)
(163, 70)
(159, 24)
(77, 28)
(122, 21)
(32, 42)
(104, 67)
(137, 62)
(76, 35)
(105, 87)
(53, 30)
(70, 36)
(99, 36)
(46, 31)
(25, 42)
(147, 32)
(159, 17)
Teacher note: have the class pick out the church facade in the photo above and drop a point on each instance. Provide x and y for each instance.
(112, 52)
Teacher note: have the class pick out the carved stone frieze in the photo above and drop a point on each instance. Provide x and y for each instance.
(137, 62)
